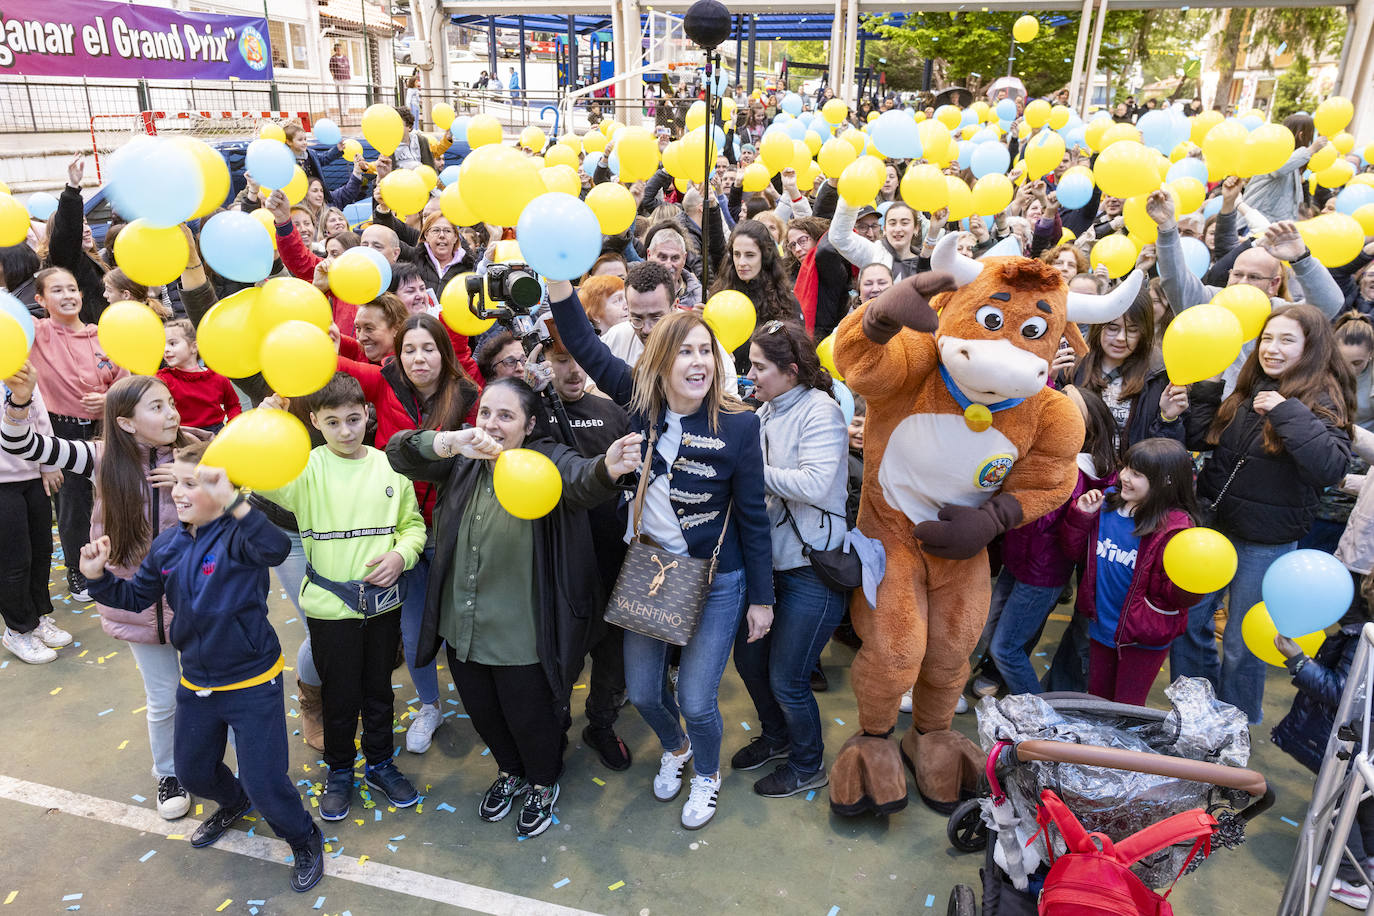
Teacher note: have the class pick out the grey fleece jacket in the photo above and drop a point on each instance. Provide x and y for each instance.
(805, 462)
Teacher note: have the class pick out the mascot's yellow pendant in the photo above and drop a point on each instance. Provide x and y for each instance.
(978, 417)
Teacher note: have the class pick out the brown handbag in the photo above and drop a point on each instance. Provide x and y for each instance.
(660, 594)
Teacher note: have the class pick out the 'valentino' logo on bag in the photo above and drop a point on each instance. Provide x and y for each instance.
(662, 574)
(648, 613)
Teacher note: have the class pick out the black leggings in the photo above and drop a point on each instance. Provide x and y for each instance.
(74, 500)
(26, 518)
(513, 710)
(354, 659)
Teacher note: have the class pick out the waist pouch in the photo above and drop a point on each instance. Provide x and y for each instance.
(364, 597)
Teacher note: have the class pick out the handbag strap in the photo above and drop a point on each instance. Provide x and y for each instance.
(1216, 501)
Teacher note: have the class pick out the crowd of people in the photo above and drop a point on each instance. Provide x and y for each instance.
(393, 543)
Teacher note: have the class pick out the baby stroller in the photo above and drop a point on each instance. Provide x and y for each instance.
(1118, 769)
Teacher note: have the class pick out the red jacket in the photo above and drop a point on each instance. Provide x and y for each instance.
(1032, 552)
(205, 399)
(1155, 611)
(301, 261)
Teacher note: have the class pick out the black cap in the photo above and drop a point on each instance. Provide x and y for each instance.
(865, 211)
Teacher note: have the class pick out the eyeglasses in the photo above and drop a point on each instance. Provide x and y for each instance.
(639, 321)
(1129, 332)
(441, 230)
(510, 362)
(1242, 277)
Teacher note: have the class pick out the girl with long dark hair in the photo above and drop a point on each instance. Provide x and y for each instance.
(752, 266)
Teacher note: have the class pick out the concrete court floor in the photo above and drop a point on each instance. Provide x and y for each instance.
(77, 725)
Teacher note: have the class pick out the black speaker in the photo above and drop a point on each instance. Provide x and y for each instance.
(707, 22)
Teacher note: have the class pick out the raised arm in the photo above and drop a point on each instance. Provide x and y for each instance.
(609, 371)
(856, 249)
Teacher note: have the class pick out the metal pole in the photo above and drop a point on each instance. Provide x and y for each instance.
(367, 51)
(572, 57)
(1084, 23)
(1092, 58)
(753, 29)
(739, 45)
(836, 55)
(524, 86)
(491, 48)
(710, 129)
(1011, 56)
(851, 32)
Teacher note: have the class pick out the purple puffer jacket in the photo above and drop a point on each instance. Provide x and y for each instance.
(1032, 553)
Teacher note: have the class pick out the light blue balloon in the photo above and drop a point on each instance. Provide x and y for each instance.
(41, 205)
(270, 162)
(153, 178)
(1004, 124)
(449, 176)
(808, 118)
(459, 129)
(781, 118)
(989, 159)
(559, 236)
(236, 246)
(795, 129)
(1353, 197)
(1211, 207)
(968, 117)
(1183, 130)
(1075, 191)
(965, 154)
(986, 135)
(1251, 121)
(895, 135)
(327, 132)
(1187, 167)
(1306, 591)
(1006, 110)
(1076, 137)
(792, 104)
(613, 163)
(15, 309)
(846, 399)
(382, 264)
(1099, 115)
(1157, 130)
(1196, 256)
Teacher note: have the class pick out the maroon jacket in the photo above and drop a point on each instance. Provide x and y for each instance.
(1032, 553)
(1155, 611)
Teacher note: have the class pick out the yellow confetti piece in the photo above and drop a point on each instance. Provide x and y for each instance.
(1062, 618)
(139, 710)
(358, 821)
(9, 898)
(83, 653)
(55, 691)
(123, 744)
(176, 836)
(223, 906)
(598, 781)
(579, 686)
(328, 848)
(100, 660)
(200, 809)
(391, 809)
(420, 808)
(314, 802)
(617, 886)
(362, 859)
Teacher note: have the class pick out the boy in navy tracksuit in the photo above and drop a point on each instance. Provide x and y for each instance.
(214, 574)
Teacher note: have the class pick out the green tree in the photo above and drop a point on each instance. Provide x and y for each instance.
(1321, 30)
(1290, 93)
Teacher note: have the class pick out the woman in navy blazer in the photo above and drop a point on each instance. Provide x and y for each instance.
(707, 467)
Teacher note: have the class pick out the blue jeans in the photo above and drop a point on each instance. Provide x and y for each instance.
(1069, 667)
(777, 668)
(426, 679)
(1023, 613)
(1194, 654)
(698, 681)
(291, 573)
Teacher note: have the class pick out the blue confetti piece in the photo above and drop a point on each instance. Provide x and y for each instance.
(521, 839)
(561, 882)
(252, 911)
(445, 806)
(555, 819)
(1289, 822)
(106, 712)
(138, 798)
(319, 902)
(839, 721)
(450, 713)
(412, 701)
(486, 751)
(251, 830)
(377, 814)
(256, 902)
(463, 715)
(292, 620)
(76, 906)
(930, 900)
(393, 848)
(452, 702)
(395, 686)
(1041, 654)
(336, 853)
(4, 665)
(397, 839)
(745, 726)
(71, 897)
(450, 689)
(147, 855)
(811, 796)
(834, 911)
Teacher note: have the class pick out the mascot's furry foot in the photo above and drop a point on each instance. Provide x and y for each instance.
(867, 777)
(945, 765)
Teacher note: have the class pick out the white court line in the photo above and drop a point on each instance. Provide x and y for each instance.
(268, 849)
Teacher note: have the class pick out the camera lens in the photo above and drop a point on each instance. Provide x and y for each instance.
(523, 288)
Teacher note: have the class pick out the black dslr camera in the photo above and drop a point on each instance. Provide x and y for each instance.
(512, 284)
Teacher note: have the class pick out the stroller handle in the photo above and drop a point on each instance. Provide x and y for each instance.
(1139, 762)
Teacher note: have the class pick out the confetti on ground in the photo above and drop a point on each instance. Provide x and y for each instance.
(147, 855)
(55, 691)
(123, 744)
(377, 815)
(176, 836)
(200, 809)
(745, 726)
(225, 905)
(392, 846)
(106, 712)
(930, 900)
(71, 897)
(138, 798)
(839, 721)
(319, 902)
(598, 780)
(811, 796)
(1291, 823)
(9, 898)
(397, 839)
(362, 859)
(256, 902)
(617, 886)
(833, 911)
(486, 751)
(444, 806)
(561, 882)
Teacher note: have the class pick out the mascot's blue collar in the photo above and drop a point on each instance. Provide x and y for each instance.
(963, 401)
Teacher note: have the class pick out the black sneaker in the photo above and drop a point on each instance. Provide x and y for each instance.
(758, 752)
(308, 868)
(496, 803)
(608, 747)
(785, 781)
(819, 682)
(76, 586)
(338, 795)
(537, 813)
(388, 780)
(172, 800)
(214, 826)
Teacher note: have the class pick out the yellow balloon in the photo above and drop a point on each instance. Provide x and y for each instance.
(1337, 175)
(1044, 154)
(1202, 124)
(1250, 306)
(1037, 113)
(454, 309)
(428, 177)
(755, 177)
(14, 221)
(696, 115)
(960, 198)
(1334, 238)
(152, 257)
(497, 182)
(455, 209)
(228, 337)
(382, 127)
(1223, 149)
(297, 358)
(561, 178)
(1258, 631)
(442, 114)
(352, 149)
(1200, 560)
(613, 205)
(573, 140)
(1333, 115)
(532, 138)
(835, 156)
(801, 157)
(731, 317)
(610, 128)
(14, 346)
(562, 154)
(1200, 343)
(527, 483)
(264, 216)
(483, 130)
(855, 138)
(295, 188)
(813, 143)
(272, 131)
(949, 116)
(214, 173)
(1126, 169)
(1059, 116)
(132, 335)
(1267, 149)
(290, 299)
(861, 181)
(825, 350)
(354, 277)
(835, 111)
(1190, 193)
(1025, 29)
(776, 151)
(594, 142)
(924, 188)
(637, 149)
(4, 188)
(697, 151)
(1343, 142)
(1117, 133)
(1323, 158)
(1116, 252)
(263, 449)
(1094, 132)
(1365, 217)
(872, 116)
(404, 192)
(992, 194)
(1139, 223)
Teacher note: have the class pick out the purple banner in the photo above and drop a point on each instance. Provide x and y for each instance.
(95, 38)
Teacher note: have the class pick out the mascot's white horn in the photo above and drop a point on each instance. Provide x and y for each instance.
(946, 257)
(1085, 308)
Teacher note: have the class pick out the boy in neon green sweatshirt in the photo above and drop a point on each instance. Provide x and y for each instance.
(361, 529)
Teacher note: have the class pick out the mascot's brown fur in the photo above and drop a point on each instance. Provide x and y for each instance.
(962, 441)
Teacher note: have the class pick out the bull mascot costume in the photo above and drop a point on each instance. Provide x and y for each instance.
(963, 441)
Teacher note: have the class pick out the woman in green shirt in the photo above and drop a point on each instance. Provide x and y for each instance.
(511, 598)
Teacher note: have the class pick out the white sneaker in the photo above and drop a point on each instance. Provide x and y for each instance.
(1352, 895)
(421, 732)
(172, 800)
(701, 802)
(52, 636)
(962, 706)
(906, 701)
(668, 782)
(28, 647)
(984, 686)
